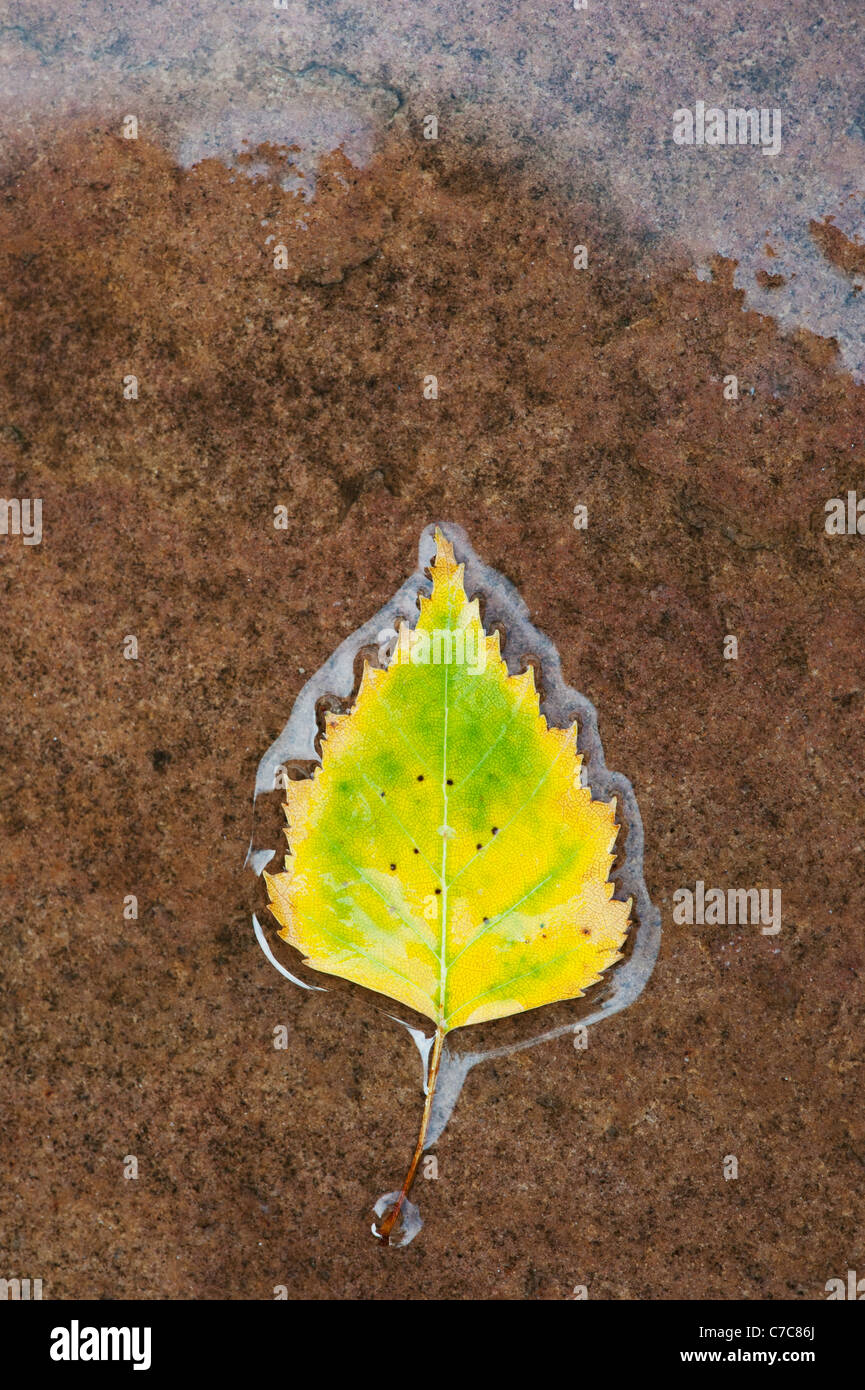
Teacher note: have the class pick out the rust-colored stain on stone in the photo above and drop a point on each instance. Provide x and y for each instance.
(847, 253)
(302, 387)
(766, 281)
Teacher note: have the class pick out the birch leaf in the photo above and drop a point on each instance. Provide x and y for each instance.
(445, 853)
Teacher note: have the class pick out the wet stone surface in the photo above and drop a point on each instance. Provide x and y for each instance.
(302, 388)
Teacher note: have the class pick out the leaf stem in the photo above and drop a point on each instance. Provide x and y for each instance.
(387, 1225)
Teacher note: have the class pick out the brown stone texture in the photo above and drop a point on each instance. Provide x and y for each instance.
(301, 387)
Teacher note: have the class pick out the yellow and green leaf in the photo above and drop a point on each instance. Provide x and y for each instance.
(446, 853)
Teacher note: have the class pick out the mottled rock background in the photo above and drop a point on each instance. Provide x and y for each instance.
(302, 388)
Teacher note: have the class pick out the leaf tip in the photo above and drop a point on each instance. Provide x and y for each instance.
(444, 549)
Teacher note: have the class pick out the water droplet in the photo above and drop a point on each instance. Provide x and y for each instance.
(407, 1224)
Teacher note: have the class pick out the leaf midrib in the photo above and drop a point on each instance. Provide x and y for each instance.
(443, 963)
